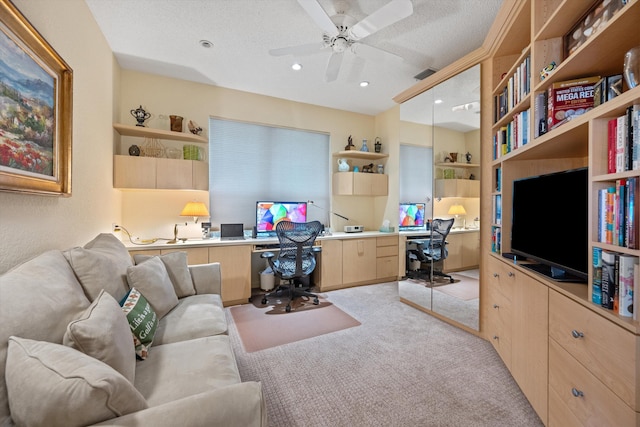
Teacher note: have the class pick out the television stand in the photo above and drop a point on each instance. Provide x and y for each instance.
(554, 273)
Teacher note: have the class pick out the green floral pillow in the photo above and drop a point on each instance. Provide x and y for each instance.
(143, 321)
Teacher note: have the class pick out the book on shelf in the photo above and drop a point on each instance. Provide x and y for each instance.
(619, 212)
(623, 141)
(497, 209)
(609, 278)
(632, 213)
(540, 114)
(596, 293)
(634, 135)
(498, 186)
(626, 284)
(496, 243)
(569, 99)
(516, 89)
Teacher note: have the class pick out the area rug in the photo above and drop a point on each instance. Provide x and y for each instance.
(465, 289)
(259, 330)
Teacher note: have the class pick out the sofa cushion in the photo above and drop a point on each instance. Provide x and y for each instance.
(152, 280)
(178, 270)
(38, 299)
(54, 385)
(194, 317)
(103, 333)
(142, 320)
(186, 368)
(101, 264)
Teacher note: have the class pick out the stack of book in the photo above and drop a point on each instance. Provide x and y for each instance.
(614, 279)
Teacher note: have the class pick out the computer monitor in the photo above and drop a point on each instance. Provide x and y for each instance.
(269, 214)
(411, 216)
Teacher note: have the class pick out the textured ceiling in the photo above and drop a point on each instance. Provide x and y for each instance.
(162, 37)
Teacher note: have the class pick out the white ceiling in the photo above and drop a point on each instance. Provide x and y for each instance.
(162, 37)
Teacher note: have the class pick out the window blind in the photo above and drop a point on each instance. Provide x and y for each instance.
(250, 162)
(416, 175)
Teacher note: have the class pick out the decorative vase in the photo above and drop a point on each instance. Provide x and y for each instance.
(632, 67)
(140, 115)
(343, 166)
(364, 146)
(468, 157)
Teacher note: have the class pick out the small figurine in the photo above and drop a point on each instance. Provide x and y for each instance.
(468, 157)
(350, 145)
(140, 115)
(368, 168)
(364, 147)
(194, 128)
(544, 73)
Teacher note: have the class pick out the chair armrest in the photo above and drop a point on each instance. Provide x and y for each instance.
(235, 405)
(317, 249)
(207, 278)
(267, 255)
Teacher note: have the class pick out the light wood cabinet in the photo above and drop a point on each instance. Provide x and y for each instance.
(457, 188)
(331, 265)
(359, 260)
(499, 309)
(387, 257)
(235, 268)
(463, 251)
(159, 173)
(360, 184)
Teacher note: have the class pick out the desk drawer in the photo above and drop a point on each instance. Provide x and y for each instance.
(387, 241)
(607, 350)
(577, 398)
(386, 251)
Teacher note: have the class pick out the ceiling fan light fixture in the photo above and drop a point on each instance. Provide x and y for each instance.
(364, 83)
(296, 67)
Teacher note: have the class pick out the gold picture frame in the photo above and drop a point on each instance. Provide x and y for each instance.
(36, 86)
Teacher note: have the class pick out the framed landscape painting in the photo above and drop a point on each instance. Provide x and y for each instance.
(35, 110)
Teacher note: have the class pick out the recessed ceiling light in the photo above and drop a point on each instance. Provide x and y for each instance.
(364, 84)
(206, 44)
(296, 67)
(438, 101)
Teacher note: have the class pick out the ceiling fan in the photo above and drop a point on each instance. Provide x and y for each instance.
(342, 34)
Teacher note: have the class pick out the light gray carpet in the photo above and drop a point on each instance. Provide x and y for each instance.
(401, 367)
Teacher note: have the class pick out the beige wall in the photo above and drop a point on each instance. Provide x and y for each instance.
(31, 224)
(153, 213)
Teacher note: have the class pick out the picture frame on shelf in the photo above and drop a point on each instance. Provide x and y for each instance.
(35, 135)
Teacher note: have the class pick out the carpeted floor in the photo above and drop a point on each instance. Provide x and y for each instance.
(400, 367)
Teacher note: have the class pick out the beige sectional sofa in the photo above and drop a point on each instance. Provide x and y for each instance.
(68, 356)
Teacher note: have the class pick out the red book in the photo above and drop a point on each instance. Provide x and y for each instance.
(611, 145)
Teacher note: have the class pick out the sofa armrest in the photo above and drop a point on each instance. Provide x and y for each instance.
(240, 405)
(207, 278)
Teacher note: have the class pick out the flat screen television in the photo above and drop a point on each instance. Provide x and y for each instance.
(550, 224)
(269, 214)
(411, 216)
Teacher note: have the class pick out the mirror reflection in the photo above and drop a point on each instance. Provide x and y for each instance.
(445, 123)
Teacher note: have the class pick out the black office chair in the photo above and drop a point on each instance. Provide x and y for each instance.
(296, 259)
(432, 251)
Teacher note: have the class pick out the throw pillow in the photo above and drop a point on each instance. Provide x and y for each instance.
(101, 264)
(178, 270)
(103, 333)
(54, 385)
(143, 321)
(152, 280)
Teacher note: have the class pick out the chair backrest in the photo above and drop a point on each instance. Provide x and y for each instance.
(296, 257)
(440, 230)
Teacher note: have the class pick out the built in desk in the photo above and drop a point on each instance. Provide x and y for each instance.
(347, 259)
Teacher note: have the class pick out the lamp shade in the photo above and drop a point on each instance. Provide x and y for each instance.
(194, 209)
(457, 210)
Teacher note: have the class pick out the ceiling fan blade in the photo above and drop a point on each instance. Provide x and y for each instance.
(356, 69)
(388, 14)
(333, 66)
(319, 16)
(301, 50)
(373, 53)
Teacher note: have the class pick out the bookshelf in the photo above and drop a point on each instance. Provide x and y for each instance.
(533, 34)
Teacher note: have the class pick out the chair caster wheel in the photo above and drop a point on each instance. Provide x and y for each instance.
(264, 300)
(287, 309)
(451, 280)
(316, 301)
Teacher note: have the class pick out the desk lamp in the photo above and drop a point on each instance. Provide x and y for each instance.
(194, 209)
(456, 211)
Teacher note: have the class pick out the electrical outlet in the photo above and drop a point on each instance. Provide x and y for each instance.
(115, 227)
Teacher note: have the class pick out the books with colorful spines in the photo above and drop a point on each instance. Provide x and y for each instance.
(626, 284)
(609, 215)
(636, 279)
(632, 213)
(635, 137)
(596, 294)
(609, 278)
(569, 99)
(621, 215)
(611, 145)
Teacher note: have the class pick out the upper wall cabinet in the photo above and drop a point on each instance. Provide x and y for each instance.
(360, 183)
(159, 173)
